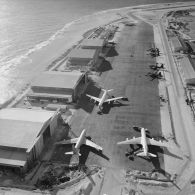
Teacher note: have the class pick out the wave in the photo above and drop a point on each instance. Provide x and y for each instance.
(11, 64)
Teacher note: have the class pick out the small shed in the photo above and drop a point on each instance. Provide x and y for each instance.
(23, 135)
(58, 86)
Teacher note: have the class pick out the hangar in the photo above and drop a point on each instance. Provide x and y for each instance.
(83, 57)
(97, 44)
(58, 86)
(187, 71)
(23, 135)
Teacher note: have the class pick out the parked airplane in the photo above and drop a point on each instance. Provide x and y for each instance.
(104, 99)
(80, 141)
(144, 141)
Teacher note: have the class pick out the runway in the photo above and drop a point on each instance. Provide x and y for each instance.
(124, 70)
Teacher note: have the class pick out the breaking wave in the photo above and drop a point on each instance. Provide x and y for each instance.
(13, 63)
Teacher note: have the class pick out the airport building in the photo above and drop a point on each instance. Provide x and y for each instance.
(96, 44)
(176, 45)
(57, 86)
(83, 57)
(23, 135)
(187, 71)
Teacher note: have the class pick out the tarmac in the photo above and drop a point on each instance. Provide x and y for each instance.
(125, 70)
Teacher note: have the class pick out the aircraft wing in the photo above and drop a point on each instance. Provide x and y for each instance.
(157, 143)
(70, 141)
(113, 99)
(131, 141)
(93, 145)
(94, 98)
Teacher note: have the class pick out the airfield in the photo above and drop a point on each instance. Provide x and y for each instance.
(123, 70)
(126, 68)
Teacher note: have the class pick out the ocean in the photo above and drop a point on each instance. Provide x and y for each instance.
(27, 27)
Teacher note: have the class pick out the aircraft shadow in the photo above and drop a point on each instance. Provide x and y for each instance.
(104, 66)
(154, 76)
(112, 52)
(155, 68)
(107, 107)
(166, 151)
(85, 150)
(84, 102)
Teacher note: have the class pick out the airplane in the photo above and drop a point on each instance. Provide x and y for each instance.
(144, 141)
(104, 99)
(156, 67)
(155, 75)
(80, 141)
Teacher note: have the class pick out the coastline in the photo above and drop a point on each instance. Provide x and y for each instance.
(15, 80)
(46, 57)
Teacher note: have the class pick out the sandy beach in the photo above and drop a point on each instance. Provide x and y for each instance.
(37, 61)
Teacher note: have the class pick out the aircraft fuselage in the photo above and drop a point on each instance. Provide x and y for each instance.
(102, 99)
(81, 139)
(144, 141)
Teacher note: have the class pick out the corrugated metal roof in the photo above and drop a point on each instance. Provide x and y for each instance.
(82, 53)
(55, 79)
(93, 42)
(21, 114)
(20, 127)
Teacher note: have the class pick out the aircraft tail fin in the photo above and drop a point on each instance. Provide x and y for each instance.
(69, 153)
(108, 90)
(141, 154)
(74, 152)
(152, 155)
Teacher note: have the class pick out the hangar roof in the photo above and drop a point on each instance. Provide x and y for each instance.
(19, 127)
(82, 53)
(55, 79)
(93, 42)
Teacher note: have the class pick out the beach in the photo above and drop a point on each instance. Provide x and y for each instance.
(16, 79)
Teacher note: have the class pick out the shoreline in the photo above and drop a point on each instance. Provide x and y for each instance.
(57, 58)
(19, 77)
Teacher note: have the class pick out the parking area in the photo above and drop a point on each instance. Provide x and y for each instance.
(127, 74)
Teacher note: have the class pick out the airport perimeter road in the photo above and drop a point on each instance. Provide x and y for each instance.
(182, 119)
(128, 63)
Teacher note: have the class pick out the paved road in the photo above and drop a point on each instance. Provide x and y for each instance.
(183, 124)
(126, 68)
